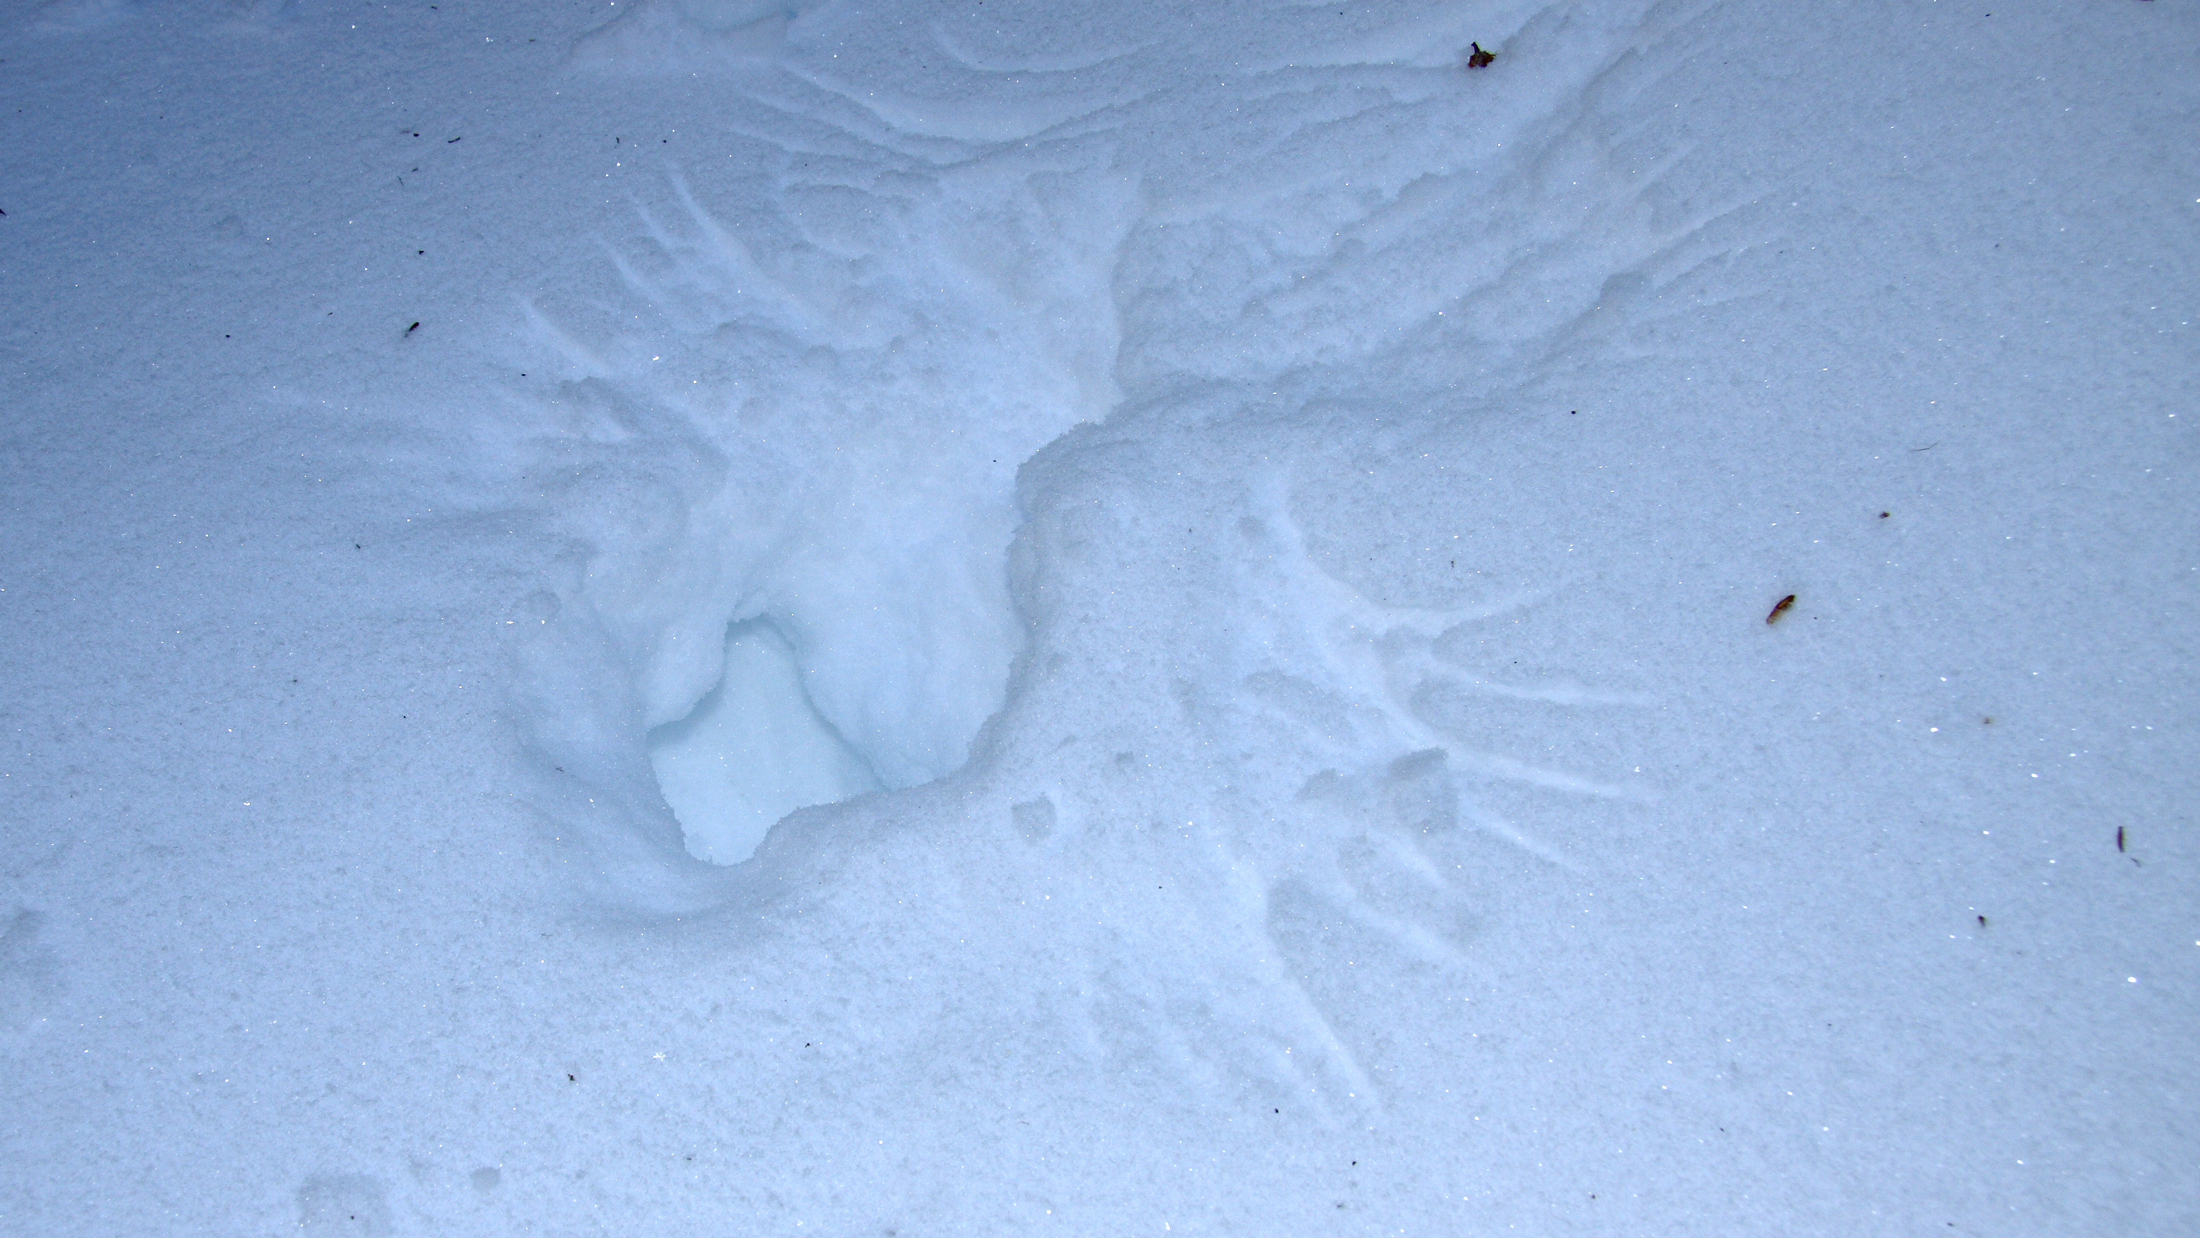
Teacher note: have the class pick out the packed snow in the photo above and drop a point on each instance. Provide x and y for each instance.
(799, 617)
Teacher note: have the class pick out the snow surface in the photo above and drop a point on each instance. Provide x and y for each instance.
(1260, 535)
(752, 751)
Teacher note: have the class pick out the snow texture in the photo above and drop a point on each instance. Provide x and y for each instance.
(694, 616)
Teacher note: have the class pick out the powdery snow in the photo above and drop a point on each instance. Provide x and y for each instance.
(1244, 544)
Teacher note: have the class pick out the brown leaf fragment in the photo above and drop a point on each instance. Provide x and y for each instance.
(1779, 607)
(1480, 59)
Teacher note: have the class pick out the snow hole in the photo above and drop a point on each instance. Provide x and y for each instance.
(754, 749)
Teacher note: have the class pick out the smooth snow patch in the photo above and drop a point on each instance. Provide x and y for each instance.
(660, 37)
(752, 751)
(82, 16)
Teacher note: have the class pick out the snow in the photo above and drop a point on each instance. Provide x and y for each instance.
(752, 751)
(1098, 618)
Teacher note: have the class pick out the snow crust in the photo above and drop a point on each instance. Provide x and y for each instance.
(698, 616)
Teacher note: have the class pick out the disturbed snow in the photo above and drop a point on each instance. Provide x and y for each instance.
(1139, 619)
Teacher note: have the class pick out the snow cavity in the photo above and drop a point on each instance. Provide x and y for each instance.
(753, 750)
(786, 425)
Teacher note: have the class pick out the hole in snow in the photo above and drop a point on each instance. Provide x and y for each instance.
(754, 749)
